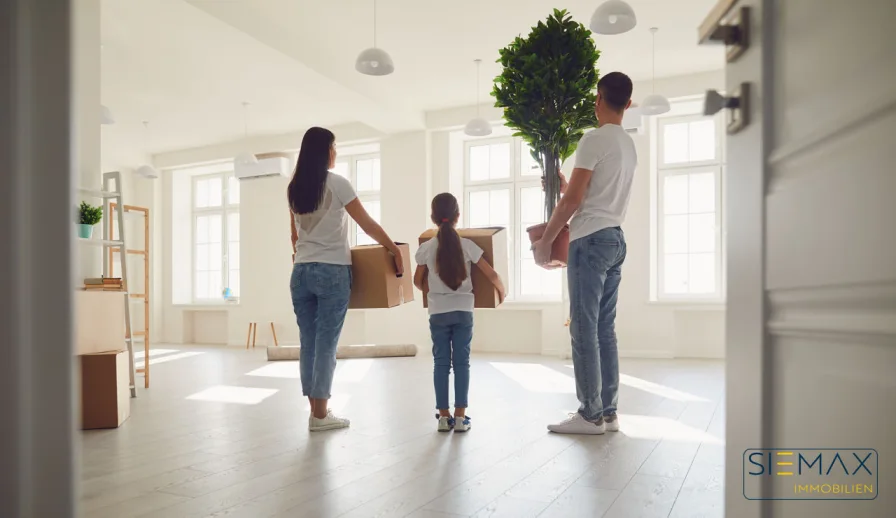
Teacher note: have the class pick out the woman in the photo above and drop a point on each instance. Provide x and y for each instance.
(320, 203)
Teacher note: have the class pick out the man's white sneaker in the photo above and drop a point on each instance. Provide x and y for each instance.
(330, 422)
(576, 424)
(611, 422)
(462, 424)
(446, 423)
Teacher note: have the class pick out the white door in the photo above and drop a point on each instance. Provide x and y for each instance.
(811, 200)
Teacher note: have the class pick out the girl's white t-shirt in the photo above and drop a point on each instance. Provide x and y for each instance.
(441, 298)
(323, 234)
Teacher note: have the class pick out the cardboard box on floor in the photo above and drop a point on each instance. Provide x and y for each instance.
(99, 321)
(105, 390)
(374, 282)
(493, 242)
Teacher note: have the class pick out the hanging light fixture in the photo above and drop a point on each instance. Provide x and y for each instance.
(245, 158)
(374, 61)
(613, 17)
(478, 127)
(654, 104)
(147, 170)
(106, 117)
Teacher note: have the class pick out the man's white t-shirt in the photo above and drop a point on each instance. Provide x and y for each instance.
(441, 298)
(323, 234)
(610, 153)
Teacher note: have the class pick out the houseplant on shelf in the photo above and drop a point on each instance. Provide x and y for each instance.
(88, 216)
(547, 90)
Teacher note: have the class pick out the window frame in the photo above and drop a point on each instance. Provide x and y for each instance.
(515, 182)
(224, 210)
(664, 170)
(363, 196)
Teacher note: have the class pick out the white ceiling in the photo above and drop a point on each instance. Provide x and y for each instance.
(186, 65)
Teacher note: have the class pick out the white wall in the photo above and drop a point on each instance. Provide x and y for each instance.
(415, 166)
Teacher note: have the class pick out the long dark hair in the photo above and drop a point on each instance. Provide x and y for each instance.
(309, 181)
(450, 263)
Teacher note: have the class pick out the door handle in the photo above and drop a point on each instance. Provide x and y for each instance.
(733, 32)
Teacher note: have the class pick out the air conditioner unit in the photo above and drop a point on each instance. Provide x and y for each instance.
(633, 121)
(265, 167)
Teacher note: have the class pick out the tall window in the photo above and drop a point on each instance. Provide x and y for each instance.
(503, 188)
(690, 172)
(363, 171)
(216, 235)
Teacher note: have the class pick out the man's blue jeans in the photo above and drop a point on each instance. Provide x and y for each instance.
(452, 334)
(594, 272)
(320, 294)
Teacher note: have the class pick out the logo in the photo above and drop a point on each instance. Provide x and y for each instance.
(810, 474)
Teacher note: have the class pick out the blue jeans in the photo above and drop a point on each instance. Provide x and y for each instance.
(320, 294)
(452, 334)
(594, 270)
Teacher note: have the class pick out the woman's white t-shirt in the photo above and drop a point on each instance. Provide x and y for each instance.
(323, 234)
(441, 298)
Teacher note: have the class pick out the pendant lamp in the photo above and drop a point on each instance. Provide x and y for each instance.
(478, 127)
(613, 17)
(147, 170)
(374, 61)
(245, 158)
(654, 104)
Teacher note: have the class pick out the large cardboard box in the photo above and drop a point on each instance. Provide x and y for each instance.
(493, 242)
(374, 282)
(105, 390)
(99, 321)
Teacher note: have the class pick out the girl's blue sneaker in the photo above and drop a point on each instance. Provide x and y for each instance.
(446, 424)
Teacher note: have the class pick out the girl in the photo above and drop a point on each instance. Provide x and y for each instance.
(444, 269)
(320, 203)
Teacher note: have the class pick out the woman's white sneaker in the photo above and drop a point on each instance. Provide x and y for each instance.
(611, 422)
(576, 424)
(330, 422)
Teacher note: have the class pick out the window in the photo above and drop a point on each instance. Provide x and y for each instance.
(216, 235)
(689, 176)
(503, 188)
(363, 171)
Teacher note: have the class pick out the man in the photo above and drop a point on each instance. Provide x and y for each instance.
(598, 194)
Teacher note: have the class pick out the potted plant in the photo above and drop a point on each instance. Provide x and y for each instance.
(88, 216)
(547, 90)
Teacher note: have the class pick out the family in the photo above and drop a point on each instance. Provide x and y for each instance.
(593, 203)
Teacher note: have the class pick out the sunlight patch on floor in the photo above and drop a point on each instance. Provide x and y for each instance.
(281, 369)
(232, 394)
(535, 377)
(352, 371)
(657, 389)
(663, 428)
(139, 364)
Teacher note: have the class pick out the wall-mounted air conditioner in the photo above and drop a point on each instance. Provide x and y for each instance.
(633, 121)
(265, 167)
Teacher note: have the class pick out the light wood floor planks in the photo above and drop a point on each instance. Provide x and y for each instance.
(224, 433)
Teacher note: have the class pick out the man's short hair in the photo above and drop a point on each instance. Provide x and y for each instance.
(616, 90)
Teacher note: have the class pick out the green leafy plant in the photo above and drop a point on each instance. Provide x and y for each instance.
(547, 89)
(89, 215)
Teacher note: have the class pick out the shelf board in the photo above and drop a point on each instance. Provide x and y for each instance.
(96, 193)
(99, 242)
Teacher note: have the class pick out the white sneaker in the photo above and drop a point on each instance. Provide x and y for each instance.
(446, 423)
(611, 422)
(331, 422)
(576, 424)
(462, 424)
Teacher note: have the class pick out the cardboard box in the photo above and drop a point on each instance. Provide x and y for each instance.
(374, 283)
(105, 390)
(493, 242)
(99, 321)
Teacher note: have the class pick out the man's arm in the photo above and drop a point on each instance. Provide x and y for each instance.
(569, 203)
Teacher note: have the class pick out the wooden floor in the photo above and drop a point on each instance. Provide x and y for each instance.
(222, 432)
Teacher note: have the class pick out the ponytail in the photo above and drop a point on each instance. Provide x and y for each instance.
(450, 263)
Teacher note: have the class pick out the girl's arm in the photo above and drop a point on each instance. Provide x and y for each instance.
(493, 276)
(294, 233)
(420, 277)
(374, 230)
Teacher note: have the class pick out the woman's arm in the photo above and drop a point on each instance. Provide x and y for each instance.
(374, 230)
(420, 278)
(294, 233)
(493, 276)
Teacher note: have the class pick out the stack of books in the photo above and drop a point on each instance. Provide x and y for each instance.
(103, 284)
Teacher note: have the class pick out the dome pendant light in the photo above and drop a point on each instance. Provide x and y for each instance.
(613, 17)
(654, 104)
(147, 170)
(374, 61)
(478, 127)
(245, 158)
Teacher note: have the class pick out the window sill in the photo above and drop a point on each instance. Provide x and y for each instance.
(689, 305)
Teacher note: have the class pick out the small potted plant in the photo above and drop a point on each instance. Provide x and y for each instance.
(547, 89)
(88, 216)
